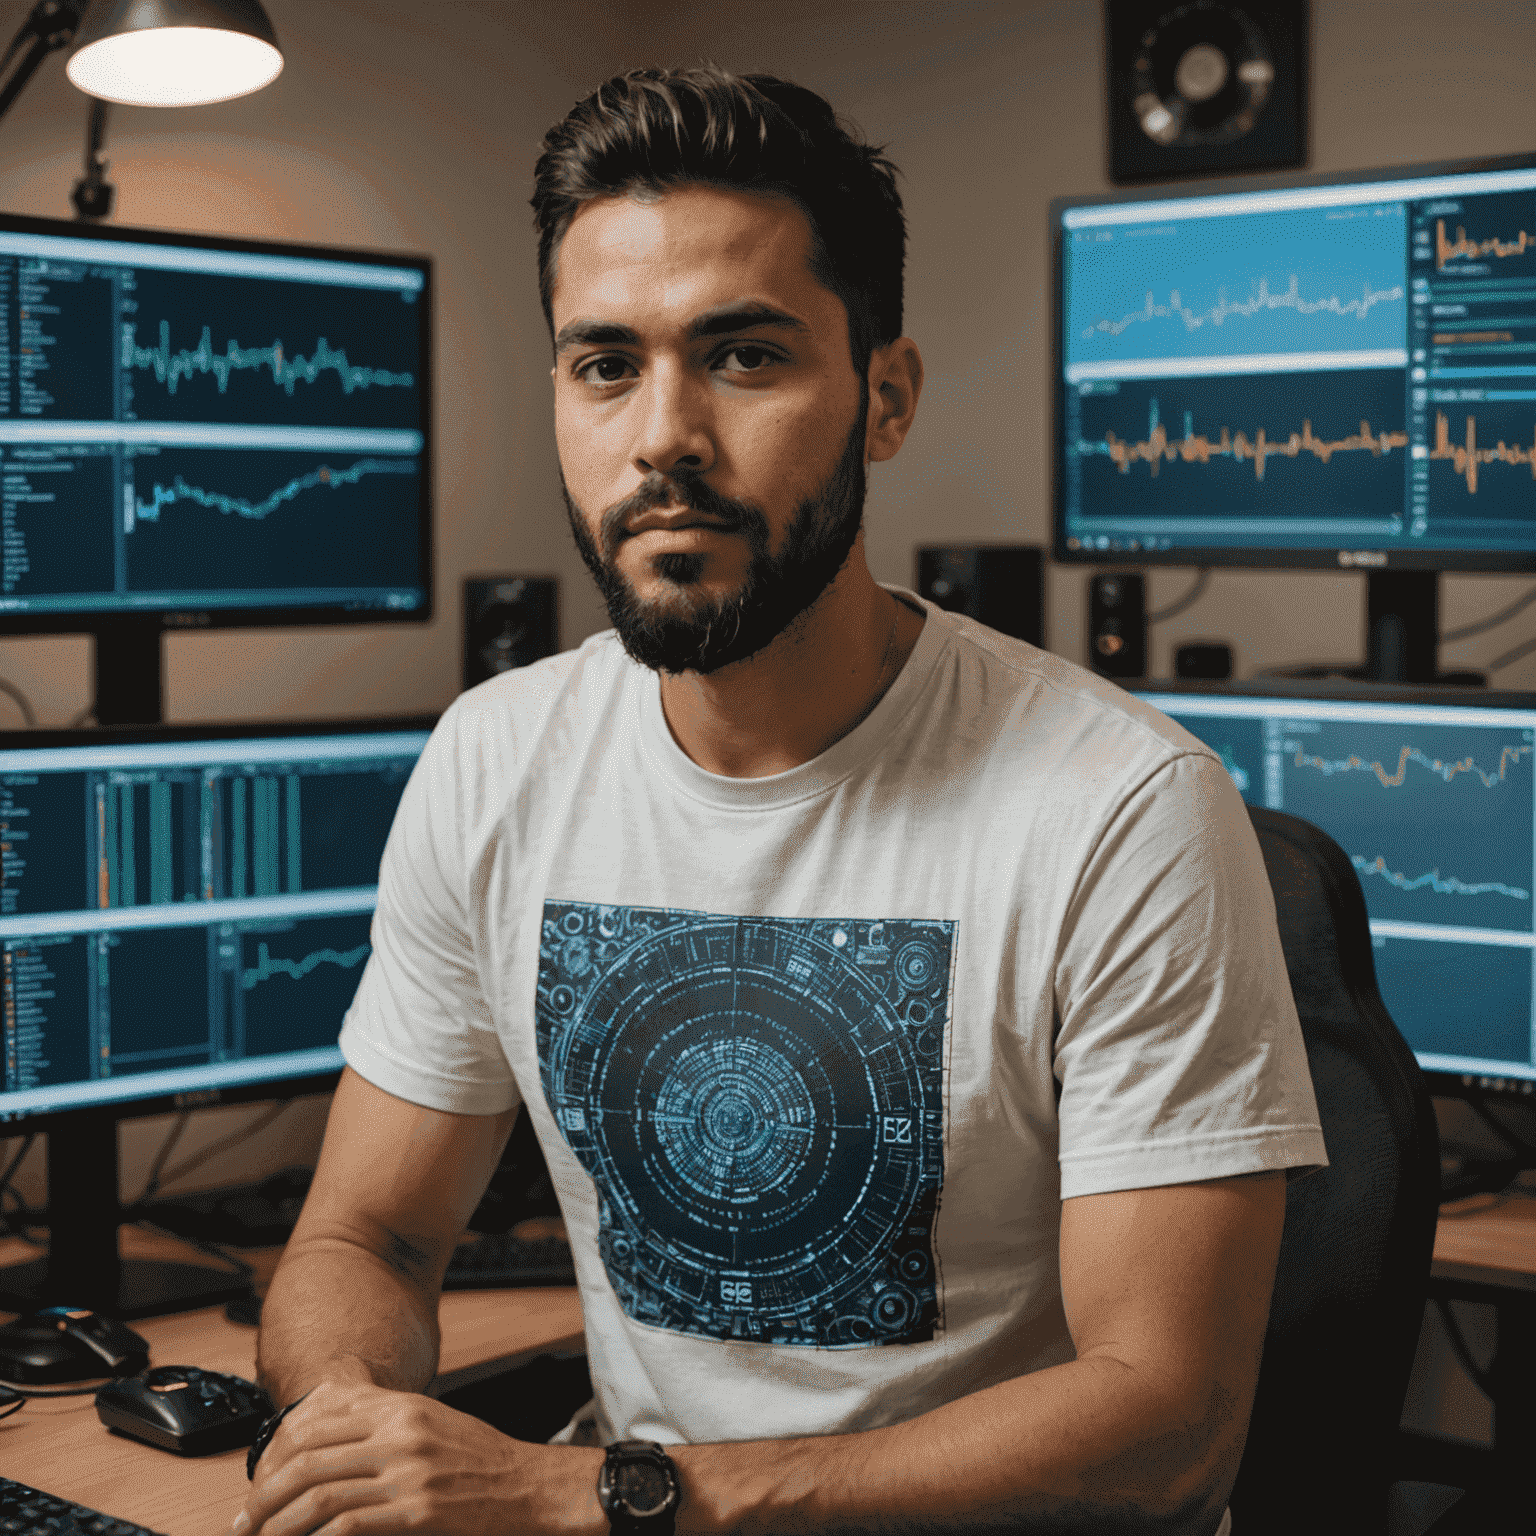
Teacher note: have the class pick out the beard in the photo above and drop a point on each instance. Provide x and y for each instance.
(686, 630)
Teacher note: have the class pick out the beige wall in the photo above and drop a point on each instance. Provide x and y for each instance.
(403, 124)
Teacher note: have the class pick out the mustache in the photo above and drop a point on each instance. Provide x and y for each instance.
(691, 491)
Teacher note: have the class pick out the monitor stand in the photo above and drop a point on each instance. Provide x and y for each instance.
(83, 1267)
(129, 672)
(1402, 626)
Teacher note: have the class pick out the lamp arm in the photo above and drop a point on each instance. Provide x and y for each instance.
(49, 26)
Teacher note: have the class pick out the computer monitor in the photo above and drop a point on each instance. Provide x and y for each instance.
(184, 916)
(1431, 795)
(199, 432)
(1331, 372)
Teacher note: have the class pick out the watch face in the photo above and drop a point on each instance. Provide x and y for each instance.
(642, 1486)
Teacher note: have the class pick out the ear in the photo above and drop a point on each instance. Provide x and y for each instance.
(895, 382)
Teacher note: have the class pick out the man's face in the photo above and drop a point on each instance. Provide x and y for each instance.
(710, 423)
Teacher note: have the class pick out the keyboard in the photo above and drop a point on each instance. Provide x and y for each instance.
(502, 1260)
(28, 1511)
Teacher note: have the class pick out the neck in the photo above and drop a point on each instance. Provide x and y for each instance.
(805, 690)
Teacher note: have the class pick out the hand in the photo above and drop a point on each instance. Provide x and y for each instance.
(354, 1459)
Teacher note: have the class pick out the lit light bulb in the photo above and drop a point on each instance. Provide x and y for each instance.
(174, 66)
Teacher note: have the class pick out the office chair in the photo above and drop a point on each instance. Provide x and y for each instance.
(1354, 1260)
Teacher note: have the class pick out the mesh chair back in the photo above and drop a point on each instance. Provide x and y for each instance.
(1354, 1261)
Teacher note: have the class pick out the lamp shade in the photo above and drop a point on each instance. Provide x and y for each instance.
(174, 53)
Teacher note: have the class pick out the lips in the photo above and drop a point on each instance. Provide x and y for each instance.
(675, 520)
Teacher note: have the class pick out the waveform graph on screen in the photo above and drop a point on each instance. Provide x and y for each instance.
(1488, 236)
(1436, 819)
(290, 982)
(1482, 464)
(204, 519)
(1329, 443)
(226, 349)
(1308, 280)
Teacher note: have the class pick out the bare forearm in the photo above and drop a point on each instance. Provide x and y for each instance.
(1081, 1447)
(336, 1309)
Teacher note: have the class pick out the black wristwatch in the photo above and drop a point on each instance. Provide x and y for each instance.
(638, 1489)
(264, 1432)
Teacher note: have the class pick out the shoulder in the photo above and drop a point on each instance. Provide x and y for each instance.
(491, 738)
(1042, 716)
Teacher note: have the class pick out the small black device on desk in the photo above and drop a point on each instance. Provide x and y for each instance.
(183, 1409)
(62, 1344)
(31, 1512)
(501, 1260)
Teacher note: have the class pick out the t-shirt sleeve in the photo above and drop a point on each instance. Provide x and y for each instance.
(420, 1026)
(1178, 1051)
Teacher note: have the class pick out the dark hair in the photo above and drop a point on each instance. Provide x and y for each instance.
(653, 129)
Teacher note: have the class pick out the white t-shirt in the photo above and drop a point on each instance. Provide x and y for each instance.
(814, 1059)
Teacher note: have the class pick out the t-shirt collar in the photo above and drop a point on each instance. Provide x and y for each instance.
(822, 773)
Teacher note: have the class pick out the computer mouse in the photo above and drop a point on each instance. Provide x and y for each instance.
(60, 1344)
(183, 1409)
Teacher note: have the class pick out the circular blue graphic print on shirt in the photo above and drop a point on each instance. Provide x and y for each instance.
(759, 1104)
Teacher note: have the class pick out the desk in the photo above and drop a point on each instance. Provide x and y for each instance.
(62, 1447)
(1486, 1254)
(1485, 1250)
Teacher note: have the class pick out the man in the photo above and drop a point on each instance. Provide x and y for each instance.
(899, 1008)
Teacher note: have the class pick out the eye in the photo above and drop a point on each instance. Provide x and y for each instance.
(747, 357)
(608, 369)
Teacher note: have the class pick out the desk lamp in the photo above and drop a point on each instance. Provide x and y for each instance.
(150, 53)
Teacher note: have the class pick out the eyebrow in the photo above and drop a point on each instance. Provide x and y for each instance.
(742, 317)
(595, 333)
(715, 322)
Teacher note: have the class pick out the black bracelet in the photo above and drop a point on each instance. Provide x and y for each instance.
(264, 1433)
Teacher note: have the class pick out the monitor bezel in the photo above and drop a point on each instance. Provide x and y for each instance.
(254, 615)
(1353, 558)
(297, 1086)
(1460, 1085)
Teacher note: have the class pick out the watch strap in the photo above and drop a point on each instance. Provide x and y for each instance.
(264, 1432)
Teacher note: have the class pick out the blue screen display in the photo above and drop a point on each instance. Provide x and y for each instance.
(1435, 804)
(180, 916)
(184, 427)
(1313, 371)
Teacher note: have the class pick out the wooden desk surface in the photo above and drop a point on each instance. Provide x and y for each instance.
(1488, 1239)
(63, 1448)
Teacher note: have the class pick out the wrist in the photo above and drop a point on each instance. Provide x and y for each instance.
(746, 1486)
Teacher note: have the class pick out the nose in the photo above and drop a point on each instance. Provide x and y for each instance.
(676, 428)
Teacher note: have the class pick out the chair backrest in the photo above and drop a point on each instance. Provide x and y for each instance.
(1354, 1261)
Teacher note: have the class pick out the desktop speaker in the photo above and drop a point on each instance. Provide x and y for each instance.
(508, 622)
(1117, 624)
(999, 585)
(1206, 86)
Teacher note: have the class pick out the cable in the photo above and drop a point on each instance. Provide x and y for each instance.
(1482, 626)
(1510, 657)
(158, 1177)
(1520, 1148)
(23, 703)
(61, 1391)
(237, 1265)
(152, 1184)
(1188, 600)
(15, 1407)
(1458, 1341)
(9, 1174)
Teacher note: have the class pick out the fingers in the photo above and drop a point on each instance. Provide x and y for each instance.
(332, 1507)
(327, 1416)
